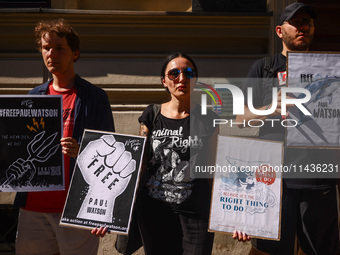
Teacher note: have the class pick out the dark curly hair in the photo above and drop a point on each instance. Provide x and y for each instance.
(61, 28)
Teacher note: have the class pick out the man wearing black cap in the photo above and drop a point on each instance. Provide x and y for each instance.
(309, 206)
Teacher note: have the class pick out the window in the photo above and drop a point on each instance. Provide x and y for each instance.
(25, 3)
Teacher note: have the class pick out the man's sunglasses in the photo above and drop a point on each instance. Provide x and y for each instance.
(301, 22)
(174, 73)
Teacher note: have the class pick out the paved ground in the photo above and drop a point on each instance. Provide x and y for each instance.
(223, 244)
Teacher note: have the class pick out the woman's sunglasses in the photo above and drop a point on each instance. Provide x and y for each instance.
(174, 73)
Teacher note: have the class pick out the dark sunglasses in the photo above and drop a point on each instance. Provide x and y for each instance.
(174, 73)
(300, 22)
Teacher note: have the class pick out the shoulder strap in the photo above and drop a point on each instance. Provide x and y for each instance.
(268, 70)
(156, 109)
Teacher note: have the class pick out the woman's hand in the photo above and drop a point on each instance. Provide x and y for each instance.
(99, 231)
(241, 236)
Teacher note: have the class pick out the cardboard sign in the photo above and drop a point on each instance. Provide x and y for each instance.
(103, 187)
(30, 150)
(319, 74)
(247, 187)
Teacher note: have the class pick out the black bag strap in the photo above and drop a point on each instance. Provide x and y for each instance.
(156, 109)
(268, 71)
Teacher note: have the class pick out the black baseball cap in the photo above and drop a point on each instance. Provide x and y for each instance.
(291, 9)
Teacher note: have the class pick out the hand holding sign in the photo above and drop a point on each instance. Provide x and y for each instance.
(107, 167)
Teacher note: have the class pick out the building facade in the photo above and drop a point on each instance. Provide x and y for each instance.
(123, 43)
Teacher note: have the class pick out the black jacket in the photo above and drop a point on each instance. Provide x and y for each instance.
(92, 111)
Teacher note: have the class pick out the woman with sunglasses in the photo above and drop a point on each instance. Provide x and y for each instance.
(173, 207)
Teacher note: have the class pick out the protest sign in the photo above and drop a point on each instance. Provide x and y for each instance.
(319, 74)
(103, 187)
(30, 151)
(247, 187)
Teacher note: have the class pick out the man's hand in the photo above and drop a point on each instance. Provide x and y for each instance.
(107, 168)
(100, 231)
(70, 146)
